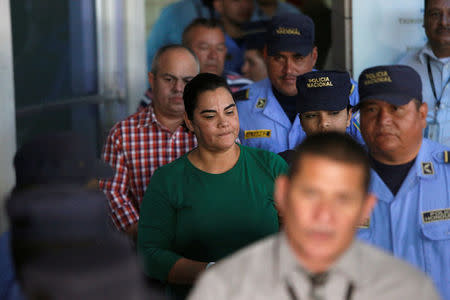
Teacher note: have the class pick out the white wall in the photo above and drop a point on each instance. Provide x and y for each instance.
(384, 30)
(7, 111)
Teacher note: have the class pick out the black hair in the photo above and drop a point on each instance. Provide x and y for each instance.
(335, 146)
(199, 84)
(200, 22)
(164, 49)
(349, 108)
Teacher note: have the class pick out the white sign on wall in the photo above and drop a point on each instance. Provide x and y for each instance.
(384, 31)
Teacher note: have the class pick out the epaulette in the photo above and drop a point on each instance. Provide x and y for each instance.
(352, 90)
(442, 157)
(241, 95)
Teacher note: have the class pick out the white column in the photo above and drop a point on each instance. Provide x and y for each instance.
(135, 52)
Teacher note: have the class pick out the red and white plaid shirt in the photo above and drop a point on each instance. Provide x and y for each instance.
(135, 148)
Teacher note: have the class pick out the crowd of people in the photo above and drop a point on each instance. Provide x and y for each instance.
(246, 173)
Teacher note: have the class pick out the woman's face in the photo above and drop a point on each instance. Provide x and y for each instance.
(215, 120)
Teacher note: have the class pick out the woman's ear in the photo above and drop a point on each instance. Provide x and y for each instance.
(349, 117)
(188, 122)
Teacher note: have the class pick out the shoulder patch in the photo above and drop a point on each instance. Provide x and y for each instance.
(261, 103)
(427, 168)
(241, 95)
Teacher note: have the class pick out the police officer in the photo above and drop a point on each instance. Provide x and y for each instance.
(410, 174)
(254, 66)
(323, 104)
(267, 110)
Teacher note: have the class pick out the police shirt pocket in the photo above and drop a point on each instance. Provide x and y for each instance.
(436, 244)
(437, 232)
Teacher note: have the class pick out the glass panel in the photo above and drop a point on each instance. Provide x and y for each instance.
(55, 59)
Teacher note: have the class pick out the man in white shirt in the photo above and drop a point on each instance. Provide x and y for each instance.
(432, 62)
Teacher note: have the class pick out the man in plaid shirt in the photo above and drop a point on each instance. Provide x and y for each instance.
(150, 138)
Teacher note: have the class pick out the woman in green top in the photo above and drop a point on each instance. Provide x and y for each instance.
(212, 201)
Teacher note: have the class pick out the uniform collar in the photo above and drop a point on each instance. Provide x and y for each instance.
(425, 52)
(347, 265)
(147, 117)
(423, 168)
(272, 108)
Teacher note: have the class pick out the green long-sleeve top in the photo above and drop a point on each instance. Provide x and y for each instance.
(204, 217)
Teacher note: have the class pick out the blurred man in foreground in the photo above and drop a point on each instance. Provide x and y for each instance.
(432, 62)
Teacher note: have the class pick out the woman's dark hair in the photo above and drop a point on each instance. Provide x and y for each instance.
(199, 84)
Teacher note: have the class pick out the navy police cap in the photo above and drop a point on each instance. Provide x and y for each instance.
(290, 32)
(323, 90)
(255, 34)
(395, 84)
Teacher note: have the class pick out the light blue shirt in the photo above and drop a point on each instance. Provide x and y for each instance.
(282, 8)
(235, 55)
(265, 125)
(415, 224)
(169, 27)
(440, 69)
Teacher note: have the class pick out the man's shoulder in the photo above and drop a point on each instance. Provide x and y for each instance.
(252, 92)
(250, 260)
(436, 152)
(389, 277)
(375, 263)
(412, 58)
(236, 81)
(133, 121)
(174, 168)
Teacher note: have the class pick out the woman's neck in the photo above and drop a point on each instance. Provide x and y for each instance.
(215, 162)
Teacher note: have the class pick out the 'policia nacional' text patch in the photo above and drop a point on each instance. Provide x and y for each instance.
(436, 215)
